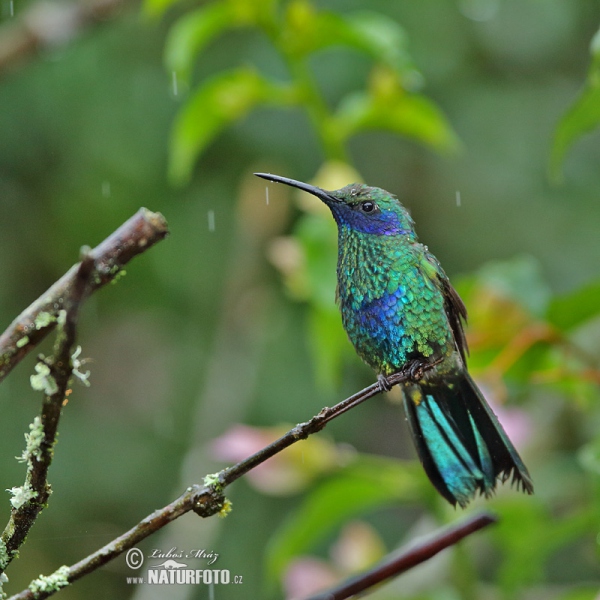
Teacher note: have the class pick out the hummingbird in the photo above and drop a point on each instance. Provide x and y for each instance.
(401, 313)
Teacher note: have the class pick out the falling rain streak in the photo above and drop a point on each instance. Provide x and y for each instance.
(457, 198)
(175, 84)
(106, 189)
(267, 194)
(211, 220)
(7, 8)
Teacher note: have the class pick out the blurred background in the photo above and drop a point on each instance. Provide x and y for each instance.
(472, 112)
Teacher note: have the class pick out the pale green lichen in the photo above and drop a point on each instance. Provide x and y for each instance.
(4, 558)
(43, 320)
(43, 381)
(50, 583)
(61, 319)
(33, 440)
(83, 377)
(21, 495)
(23, 341)
(211, 479)
(3, 580)
(118, 274)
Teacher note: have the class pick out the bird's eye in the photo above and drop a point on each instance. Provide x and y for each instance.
(368, 206)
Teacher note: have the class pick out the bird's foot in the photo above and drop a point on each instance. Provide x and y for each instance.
(416, 369)
(384, 384)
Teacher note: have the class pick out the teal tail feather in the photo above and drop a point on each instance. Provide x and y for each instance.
(460, 442)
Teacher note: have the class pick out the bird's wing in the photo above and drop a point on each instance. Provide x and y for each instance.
(455, 307)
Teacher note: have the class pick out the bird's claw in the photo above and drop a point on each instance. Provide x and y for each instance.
(384, 384)
(416, 369)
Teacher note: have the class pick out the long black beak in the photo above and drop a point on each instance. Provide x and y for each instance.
(311, 189)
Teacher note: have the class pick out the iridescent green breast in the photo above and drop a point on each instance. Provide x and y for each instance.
(392, 309)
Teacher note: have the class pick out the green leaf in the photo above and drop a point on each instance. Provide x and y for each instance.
(371, 482)
(394, 110)
(329, 344)
(584, 592)
(520, 279)
(573, 384)
(191, 33)
(383, 39)
(527, 540)
(571, 310)
(156, 8)
(582, 117)
(317, 235)
(219, 101)
(373, 34)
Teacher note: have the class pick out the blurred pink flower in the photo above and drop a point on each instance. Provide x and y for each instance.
(307, 575)
(289, 471)
(357, 548)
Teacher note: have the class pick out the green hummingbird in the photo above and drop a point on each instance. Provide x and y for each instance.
(401, 313)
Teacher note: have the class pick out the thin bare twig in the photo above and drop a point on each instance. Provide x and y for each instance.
(135, 236)
(56, 372)
(302, 431)
(407, 559)
(208, 500)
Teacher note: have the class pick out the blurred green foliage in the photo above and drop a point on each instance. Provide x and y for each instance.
(203, 333)
(297, 30)
(583, 116)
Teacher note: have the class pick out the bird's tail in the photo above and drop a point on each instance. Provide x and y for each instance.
(459, 440)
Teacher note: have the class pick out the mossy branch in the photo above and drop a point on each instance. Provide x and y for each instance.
(30, 499)
(60, 305)
(135, 236)
(208, 499)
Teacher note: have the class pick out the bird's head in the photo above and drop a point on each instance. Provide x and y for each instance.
(359, 207)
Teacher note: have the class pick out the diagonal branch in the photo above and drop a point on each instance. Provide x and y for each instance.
(302, 431)
(135, 236)
(206, 500)
(407, 558)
